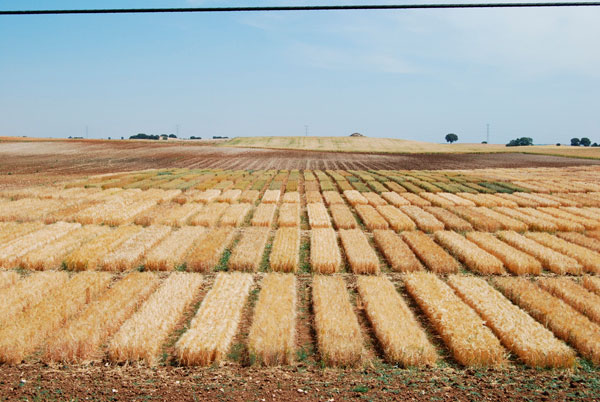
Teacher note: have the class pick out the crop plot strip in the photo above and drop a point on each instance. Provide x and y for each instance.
(396, 252)
(285, 252)
(12, 251)
(8, 278)
(450, 220)
(143, 334)
(516, 261)
(130, 254)
(576, 296)
(424, 220)
(566, 323)
(397, 330)
(339, 339)
(469, 253)
(215, 324)
(463, 331)
(581, 240)
(51, 256)
(289, 215)
(273, 331)
(325, 257)
(370, 217)
(434, 256)
(171, 252)
(83, 337)
(207, 251)
(589, 259)
(592, 283)
(210, 214)
(247, 254)
(519, 332)
(554, 261)
(27, 331)
(360, 254)
(318, 216)
(263, 215)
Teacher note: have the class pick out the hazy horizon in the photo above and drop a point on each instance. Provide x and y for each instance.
(414, 75)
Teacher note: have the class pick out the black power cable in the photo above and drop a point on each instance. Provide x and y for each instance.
(301, 8)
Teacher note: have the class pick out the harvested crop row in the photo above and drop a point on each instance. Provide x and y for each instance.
(588, 223)
(82, 338)
(534, 223)
(313, 197)
(437, 200)
(397, 219)
(592, 283)
(555, 262)
(207, 196)
(8, 278)
(374, 199)
(396, 252)
(143, 334)
(370, 217)
(284, 254)
(521, 334)
(206, 253)
(28, 292)
(397, 330)
(131, 253)
(289, 215)
(215, 324)
(463, 331)
(516, 261)
(272, 334)
(152, 215)
(325, 257)
(12, 230)
(28, 330)
(178, 215)
(559, 317)
(339, 338)
(263, 215)
(230, 196)
(435, 257)
(210, 214)
(249, 196)
(271, 197)
(576, 296)
(171, 252)
(90, 255)
(235, 215)
(506, 222)
(478, 220)
(561, 223)
(457, 200)
(522, 202)
(342, 217)
(541, 201)
(424, 220)
(355, 198)
(594, 233)
(247, 254)
(469, 253)
(589, 259)
(450, 220)
(414, 199)
(68, 213)
(394, 199)
(583, 212)
(318, 216)
(12, 251)
(360, 254)
(51, 255)
(291, 197)
(332, 197)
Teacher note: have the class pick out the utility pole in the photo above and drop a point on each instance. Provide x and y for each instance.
(306, 130)
(488, 133)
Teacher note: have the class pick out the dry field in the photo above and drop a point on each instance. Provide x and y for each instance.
(206, 277)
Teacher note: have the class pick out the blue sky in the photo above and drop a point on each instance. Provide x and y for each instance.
(402, 74)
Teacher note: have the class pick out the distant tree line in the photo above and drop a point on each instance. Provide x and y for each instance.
(519, 142)
(143, 136)
(584, 141)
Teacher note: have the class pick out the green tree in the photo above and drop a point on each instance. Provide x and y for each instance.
(451, 138)
(585, 142)
(575, 142)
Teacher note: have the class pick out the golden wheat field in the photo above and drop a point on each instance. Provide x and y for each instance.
(488, 268)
